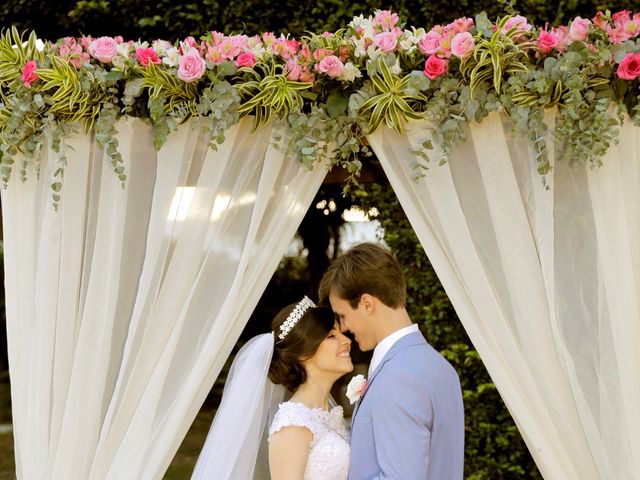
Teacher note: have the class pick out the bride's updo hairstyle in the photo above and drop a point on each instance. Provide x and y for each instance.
(299, 343)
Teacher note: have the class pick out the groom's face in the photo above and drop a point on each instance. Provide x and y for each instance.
(353, 320)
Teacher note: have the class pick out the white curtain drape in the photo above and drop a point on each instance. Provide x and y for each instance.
(123, 305)
(546, 283)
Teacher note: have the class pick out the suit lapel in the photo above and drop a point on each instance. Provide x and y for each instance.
(409, 340)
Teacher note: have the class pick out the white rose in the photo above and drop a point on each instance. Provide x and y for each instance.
(356, 388)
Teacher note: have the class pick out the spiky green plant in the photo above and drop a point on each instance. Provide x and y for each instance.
(270, 94)
(71, 98)
(494, 57)
(178, 96)
(392, 102)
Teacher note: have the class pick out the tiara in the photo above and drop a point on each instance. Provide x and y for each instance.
(299, 310)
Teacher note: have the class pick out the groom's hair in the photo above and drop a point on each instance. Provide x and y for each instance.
(365, 268)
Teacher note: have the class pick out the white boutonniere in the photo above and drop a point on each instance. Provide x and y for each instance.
(356, 388)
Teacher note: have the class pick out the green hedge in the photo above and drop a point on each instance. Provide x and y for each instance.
(494, 448)
(169, 19)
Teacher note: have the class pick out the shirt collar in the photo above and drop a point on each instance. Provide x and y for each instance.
(386, 343)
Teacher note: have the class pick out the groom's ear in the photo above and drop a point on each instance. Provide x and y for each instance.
(368, 302)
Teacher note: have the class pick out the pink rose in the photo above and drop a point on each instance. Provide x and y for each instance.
(547, 41)
(246, 59)
(29, 74)
(579, 29)
(629, 68)
(434, 67)
(331, 65)
(385, 41)
(146, 56)
(191, 66)
(430, 43)
(103, 49)
(462, 45)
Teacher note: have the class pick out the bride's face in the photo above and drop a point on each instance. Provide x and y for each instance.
(332, 355)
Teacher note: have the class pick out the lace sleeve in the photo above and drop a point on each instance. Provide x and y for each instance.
(295, 414)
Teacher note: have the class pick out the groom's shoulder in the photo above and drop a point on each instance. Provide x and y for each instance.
(421, 358)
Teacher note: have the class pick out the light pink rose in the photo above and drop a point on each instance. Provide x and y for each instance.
(386, 19)
(331, 65)
(462, 44)
(430, 43)
(434, 67)
(385, 41)
(146, 56)
(103, 49)
(29, 74)
(579, 29)
(629, 68)
(191, 66)
(246, 59)
(547, 41)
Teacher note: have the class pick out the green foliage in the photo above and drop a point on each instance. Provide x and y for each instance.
(495, 55)
(494, 448)
(392, 100)
(269, 94)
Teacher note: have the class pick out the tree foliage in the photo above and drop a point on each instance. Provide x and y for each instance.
(494, 448)
(171, 20)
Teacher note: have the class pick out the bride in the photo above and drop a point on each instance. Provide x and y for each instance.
(307, 437)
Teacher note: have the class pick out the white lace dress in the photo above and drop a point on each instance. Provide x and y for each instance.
(329, 452)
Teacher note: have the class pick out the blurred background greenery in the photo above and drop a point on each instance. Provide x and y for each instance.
(494, 447)
(170, 19)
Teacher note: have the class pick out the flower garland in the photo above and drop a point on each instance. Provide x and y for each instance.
(330, 89)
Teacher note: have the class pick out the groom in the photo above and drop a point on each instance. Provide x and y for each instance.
(409, 422)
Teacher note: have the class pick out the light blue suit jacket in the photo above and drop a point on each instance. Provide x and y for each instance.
(409, 424)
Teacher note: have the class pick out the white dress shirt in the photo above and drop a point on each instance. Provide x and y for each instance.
(386, 343)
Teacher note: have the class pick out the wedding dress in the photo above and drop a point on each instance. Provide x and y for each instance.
(329, 452)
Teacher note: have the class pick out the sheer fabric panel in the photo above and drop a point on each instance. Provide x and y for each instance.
(123, 305)
(545, 282)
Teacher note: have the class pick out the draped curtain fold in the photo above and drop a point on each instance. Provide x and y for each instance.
(123, 305)
(546, 282)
